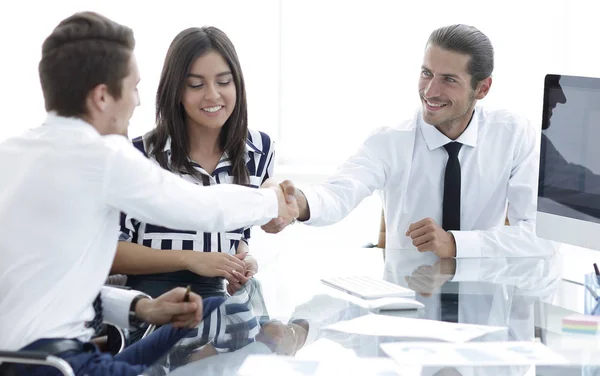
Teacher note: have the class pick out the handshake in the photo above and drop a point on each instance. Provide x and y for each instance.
(292, 205)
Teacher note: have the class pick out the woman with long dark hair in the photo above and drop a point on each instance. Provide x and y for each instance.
(201, 134)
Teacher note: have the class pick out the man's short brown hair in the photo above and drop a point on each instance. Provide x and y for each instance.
(83, 51)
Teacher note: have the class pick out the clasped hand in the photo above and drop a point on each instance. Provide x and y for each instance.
(288, 206)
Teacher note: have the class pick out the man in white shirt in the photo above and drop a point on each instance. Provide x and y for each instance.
(63, 186)
(451, 202)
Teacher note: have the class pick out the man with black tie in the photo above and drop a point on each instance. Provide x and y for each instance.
(447, 175)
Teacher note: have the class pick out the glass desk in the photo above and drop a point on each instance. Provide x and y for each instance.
(282, 315)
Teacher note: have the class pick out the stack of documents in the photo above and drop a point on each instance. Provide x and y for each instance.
(269, 365)
(414, 329)
(472, 354)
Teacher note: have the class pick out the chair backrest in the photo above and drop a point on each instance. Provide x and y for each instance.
(34, 358)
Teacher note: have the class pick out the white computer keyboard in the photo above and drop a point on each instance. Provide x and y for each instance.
(368, 287)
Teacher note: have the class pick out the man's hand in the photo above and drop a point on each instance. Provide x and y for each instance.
(288, 207)
(292, 195)
(170, 308)
(215, 264)
(428, 236)
(280, 338)
(427, 279)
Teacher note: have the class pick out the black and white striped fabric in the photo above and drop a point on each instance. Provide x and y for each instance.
(260, 162)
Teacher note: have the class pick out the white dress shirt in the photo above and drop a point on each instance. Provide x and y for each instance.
(62, 188)
(499, 166)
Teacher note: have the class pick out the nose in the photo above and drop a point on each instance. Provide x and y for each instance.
(211, 93)
(137, 99)
(432, 89)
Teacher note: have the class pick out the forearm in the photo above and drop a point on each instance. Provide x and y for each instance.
(329, 203)
(503, 241)
(133, 259)
(138, 187)
(357, 178)
(303, 208)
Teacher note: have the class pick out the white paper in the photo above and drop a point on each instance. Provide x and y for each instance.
(271, 365)
(409, 328)
(472, 354)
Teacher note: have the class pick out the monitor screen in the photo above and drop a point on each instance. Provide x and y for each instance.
(569, 180)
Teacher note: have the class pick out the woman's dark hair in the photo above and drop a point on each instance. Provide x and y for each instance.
(187, 46)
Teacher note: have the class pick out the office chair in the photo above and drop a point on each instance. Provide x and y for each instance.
(45, 359)
(381, 238)
(120, 336)
(35, 358)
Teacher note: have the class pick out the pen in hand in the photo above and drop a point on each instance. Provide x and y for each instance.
(186, 297)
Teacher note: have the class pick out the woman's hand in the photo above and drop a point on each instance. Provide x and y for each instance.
(216, 264)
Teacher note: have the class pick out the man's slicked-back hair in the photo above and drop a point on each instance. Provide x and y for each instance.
(84, 51)
(470, 41)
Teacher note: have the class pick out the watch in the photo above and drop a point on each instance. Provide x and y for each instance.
(134, 320)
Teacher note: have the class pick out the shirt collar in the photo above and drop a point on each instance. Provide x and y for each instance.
(250, 148)
(78, 124)
(436, 139)
(224, 163)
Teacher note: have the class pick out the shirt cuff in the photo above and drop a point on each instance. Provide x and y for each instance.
(312, 202)
(313, 331)
(467, 244)
(467, 269)
(115, 305)
(271, 204)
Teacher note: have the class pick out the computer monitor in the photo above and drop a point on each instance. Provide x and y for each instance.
(569, 173)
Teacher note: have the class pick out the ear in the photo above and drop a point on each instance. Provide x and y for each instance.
(98, 99)
(483, 88)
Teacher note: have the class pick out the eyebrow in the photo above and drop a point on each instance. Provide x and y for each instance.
(202, 77)
(451, 75)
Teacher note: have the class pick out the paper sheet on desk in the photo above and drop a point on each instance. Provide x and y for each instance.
(472, 354)
(269, 365)
(408, 328)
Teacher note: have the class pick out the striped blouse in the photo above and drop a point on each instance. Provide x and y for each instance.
(259, 161)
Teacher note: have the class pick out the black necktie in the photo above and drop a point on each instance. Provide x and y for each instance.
(451, 206)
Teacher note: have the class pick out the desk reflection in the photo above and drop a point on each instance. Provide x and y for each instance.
(495, 291)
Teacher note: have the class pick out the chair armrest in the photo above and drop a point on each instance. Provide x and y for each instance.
(38, 358)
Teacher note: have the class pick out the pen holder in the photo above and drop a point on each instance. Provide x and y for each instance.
(592, 295)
